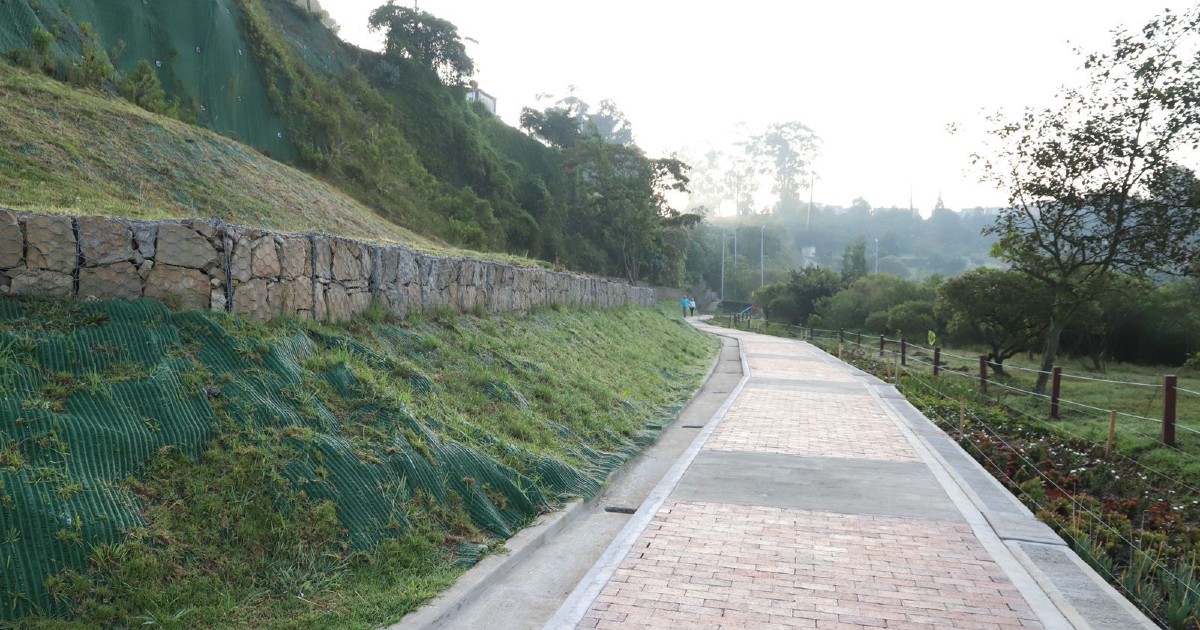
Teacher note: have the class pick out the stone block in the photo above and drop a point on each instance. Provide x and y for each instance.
(42, 282)
(297, 258)
(119, 281)
(12, 240)
(265, 258)
(182, 287)
(50, 243)
(181, 246)
(104, 241)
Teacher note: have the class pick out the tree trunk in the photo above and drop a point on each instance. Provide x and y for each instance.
(1050, 351)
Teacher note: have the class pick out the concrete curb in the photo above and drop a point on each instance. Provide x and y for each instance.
(580, 600)
(437, 612)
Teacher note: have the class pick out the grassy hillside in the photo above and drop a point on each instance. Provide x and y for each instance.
(195, 470)
(65, 150)
(269, 74)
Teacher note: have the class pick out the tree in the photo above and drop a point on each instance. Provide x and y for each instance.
(1093, 182)
(1004, 310)
(793, 302)
(570, 119)
(620, 204)
(786, 151)
(854, 260)
(419, 36)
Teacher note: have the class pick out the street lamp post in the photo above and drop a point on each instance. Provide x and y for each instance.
(722, 266)
(762, 269)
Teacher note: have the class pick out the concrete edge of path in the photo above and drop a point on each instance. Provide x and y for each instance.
(436, 612)
(580, 600)
(1001, 532)
(1047, 611)
(1004, 523)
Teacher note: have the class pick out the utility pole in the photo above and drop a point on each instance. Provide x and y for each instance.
(876, 255)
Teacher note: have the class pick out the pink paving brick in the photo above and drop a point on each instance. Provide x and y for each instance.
(810, 423)
(735, 566)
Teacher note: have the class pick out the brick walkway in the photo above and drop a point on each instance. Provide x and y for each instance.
(761, 560)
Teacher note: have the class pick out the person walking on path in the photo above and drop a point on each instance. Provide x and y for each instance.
(684, 303)
(692, 305)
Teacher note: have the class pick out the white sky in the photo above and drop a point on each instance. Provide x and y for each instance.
(878, 80)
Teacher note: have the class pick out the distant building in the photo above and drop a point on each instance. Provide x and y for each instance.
(474, 94)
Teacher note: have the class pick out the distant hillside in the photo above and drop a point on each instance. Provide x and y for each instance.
(269, 74)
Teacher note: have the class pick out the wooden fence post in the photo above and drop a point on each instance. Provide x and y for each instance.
(937, 359)
(1170, 381)
(903, 352)
(983, 373)
(1112, 433)
(1055, 390)
(881, 340)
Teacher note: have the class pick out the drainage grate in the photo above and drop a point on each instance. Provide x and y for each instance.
(620, 509)
(692, 426)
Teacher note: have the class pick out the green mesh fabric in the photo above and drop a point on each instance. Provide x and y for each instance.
(198, 48)
(88, 406)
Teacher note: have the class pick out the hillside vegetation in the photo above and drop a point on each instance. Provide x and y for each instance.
(64, 150)
(195, 470)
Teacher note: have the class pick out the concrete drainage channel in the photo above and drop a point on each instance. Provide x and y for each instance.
(526, 586)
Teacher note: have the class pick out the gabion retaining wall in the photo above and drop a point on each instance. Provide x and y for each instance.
(212, 265)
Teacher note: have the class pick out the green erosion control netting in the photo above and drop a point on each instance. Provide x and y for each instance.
(86, 405)
(198, 48)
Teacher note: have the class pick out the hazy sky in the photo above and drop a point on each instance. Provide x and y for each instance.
(878, 80)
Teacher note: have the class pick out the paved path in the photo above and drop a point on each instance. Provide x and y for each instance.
(818, 498)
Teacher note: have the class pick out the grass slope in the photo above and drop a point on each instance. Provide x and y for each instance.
(194, 469)
(64, 150)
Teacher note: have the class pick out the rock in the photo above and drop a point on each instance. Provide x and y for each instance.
(296, 297)
(181, 246)
(342, 306)
(297, 258)
(350, 261)
(252, 299)
(144, 268)
(217, 300)
(50, 243)
(265, 258)
(241, 259)
(104, 241)
(12, 240)
(182, 287)
(204, 228)
(43, 282)
(145, 234)
(323, 250)
(114, 282)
